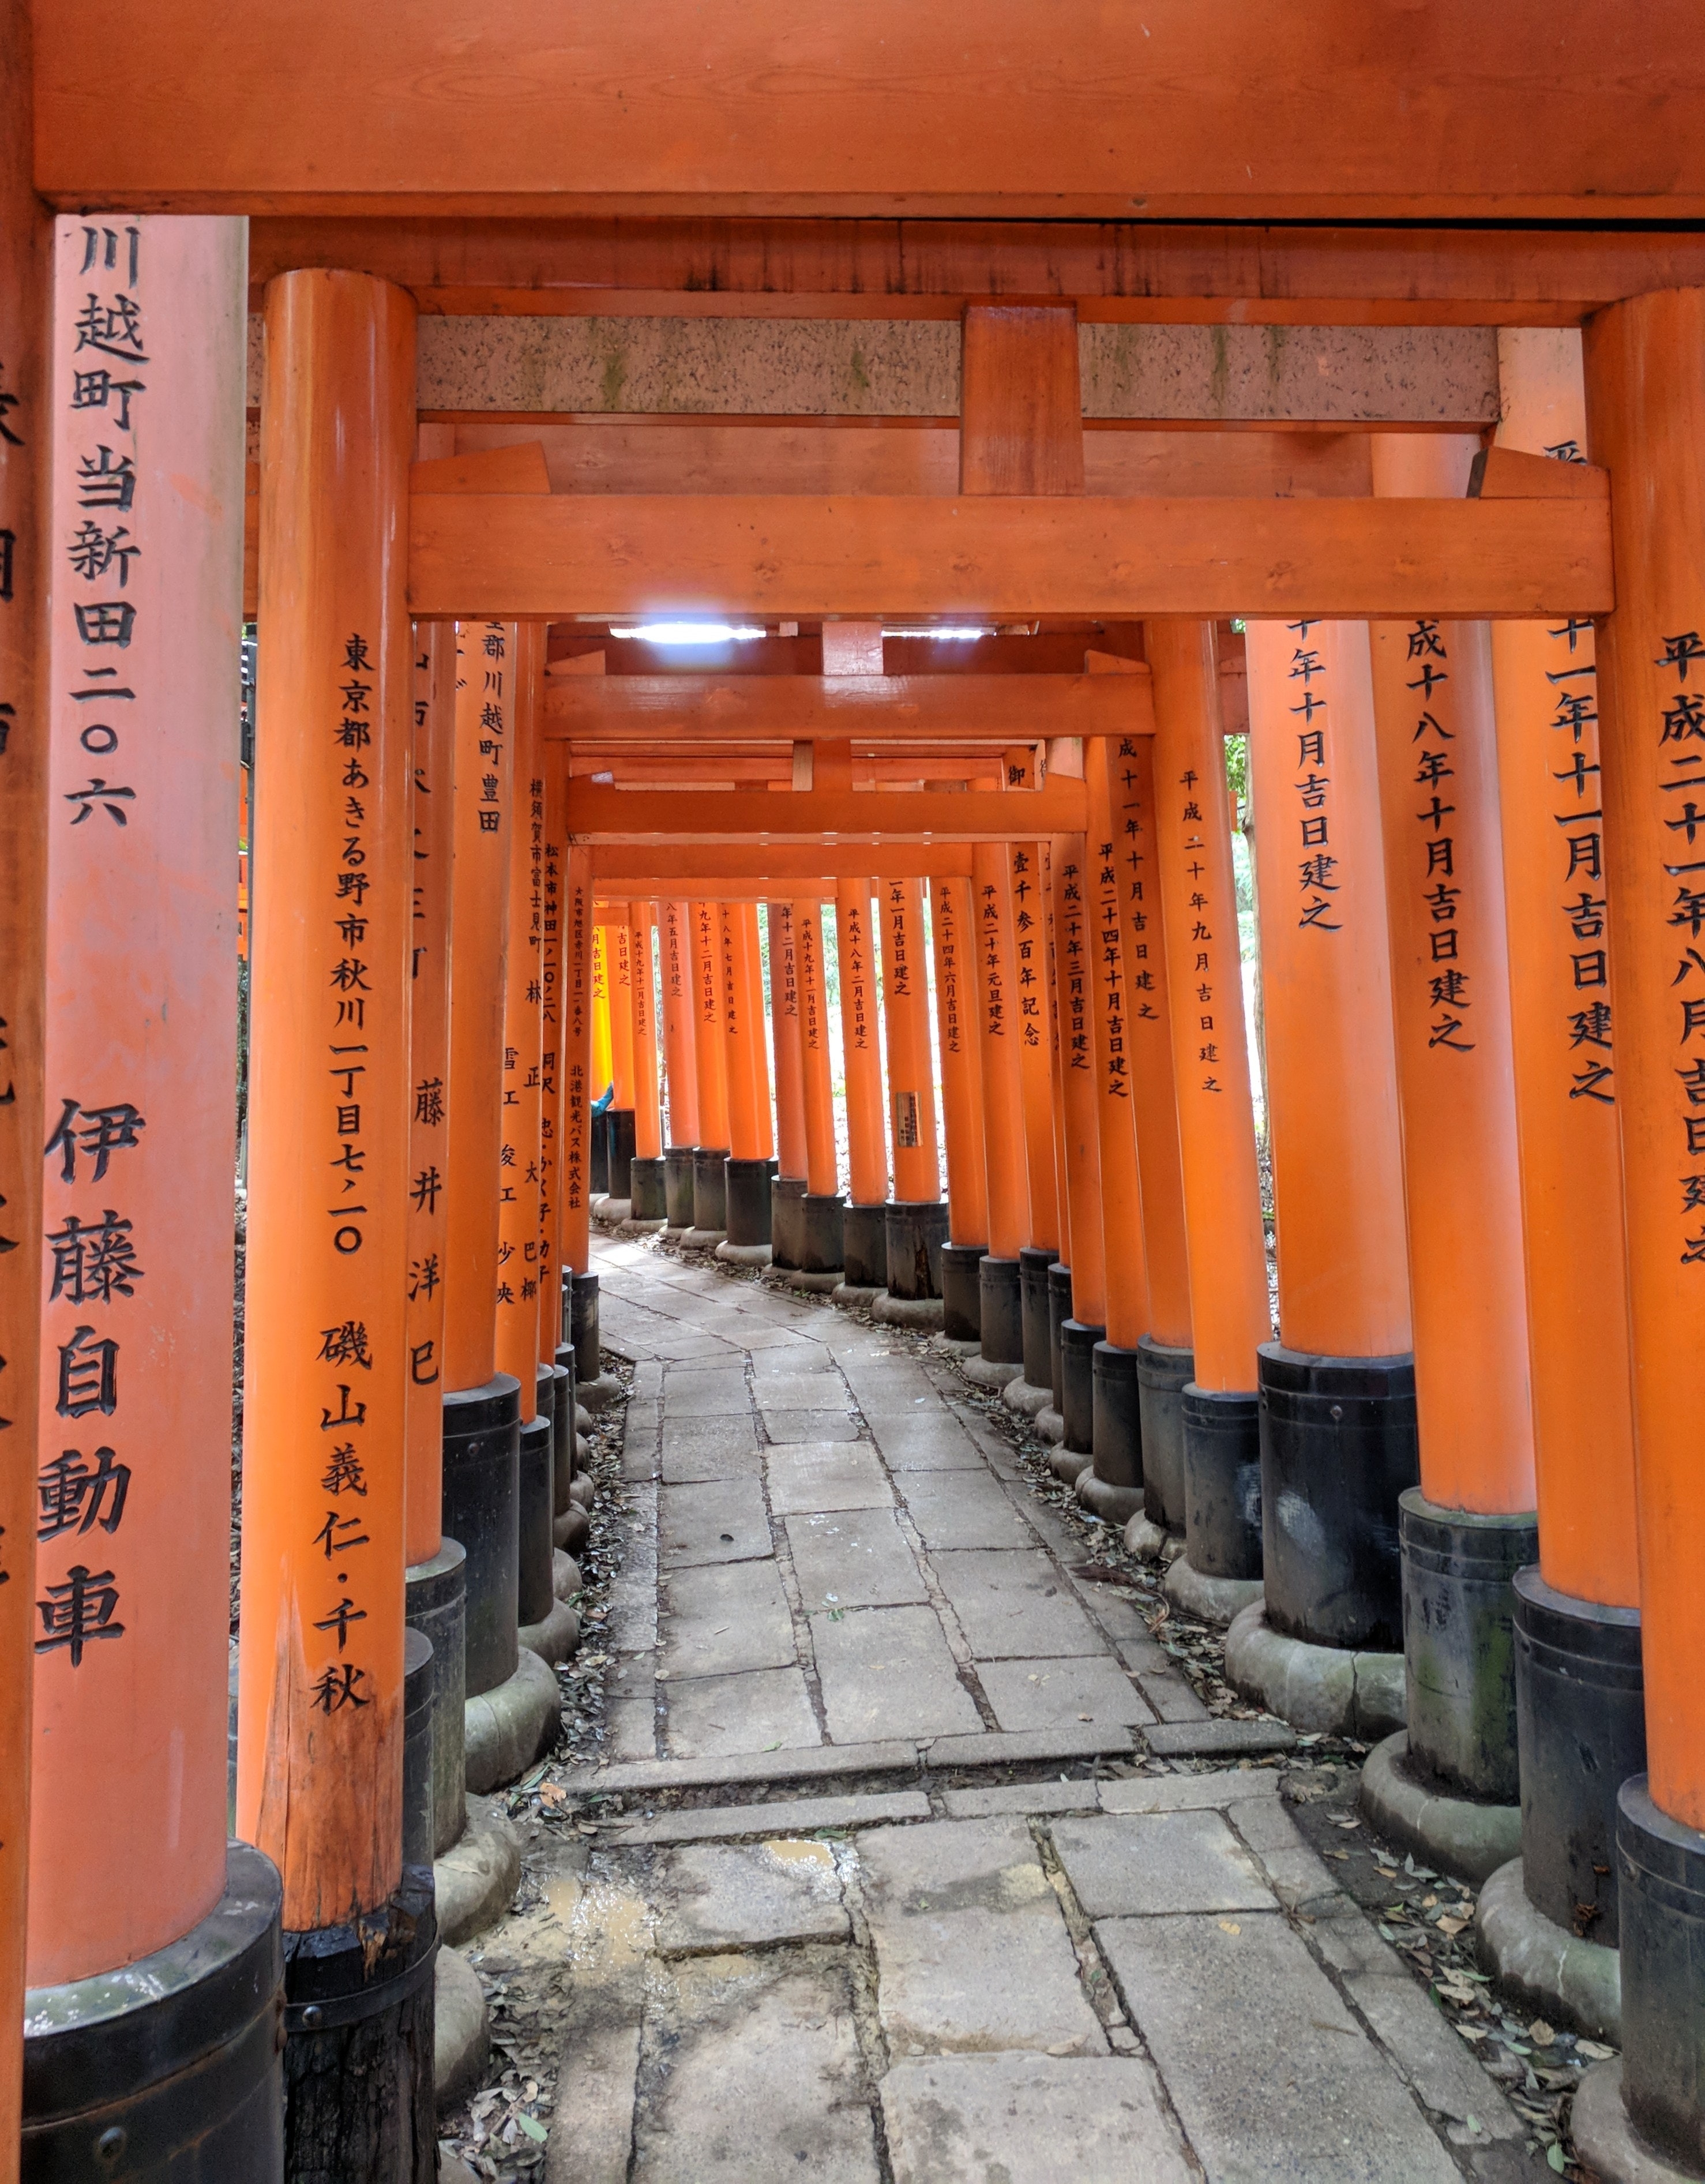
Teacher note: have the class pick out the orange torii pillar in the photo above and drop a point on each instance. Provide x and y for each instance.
(1085, 1325)
(747, 1187)
(916, 1218)
(125, 1460)
(822, 1249)
(864, 1231)
(25, 312)
(1337, 1402)
(1112, 1486)
(579, 1078)
(1028, 882)
(323, 1717)
(436, 1576)
(762, 1094)
(603, 1063)
(1165, 1363)
(1469, 1525)
(953, 934)
(1645, 361)
(618, 1120)
(680, 1066)
(710, 1057)
(1580, 1719)
(787, 1191)
(1001, 1316)
(553, 1349)
(645, 1195)
(1220, 1570)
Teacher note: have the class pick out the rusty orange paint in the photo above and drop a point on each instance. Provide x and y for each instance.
(514, 1178)
(1229, 1314)
(1032, 988)
(319, 1755)
(675, 933)
(603, 1070)
(816, 1073)
(862, 1057)
(737, 1031)
(710, 1043)
(648, 1118)
(619, 984)
(953, 932)
(1079, 1132)
(1565, 1053)
(998, 1036)
(784, 1017)
(574, 1224)
(910, 1066)
(1125, 1255)
(752, 953)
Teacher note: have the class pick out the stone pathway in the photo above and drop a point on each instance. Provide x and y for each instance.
(909, 1855)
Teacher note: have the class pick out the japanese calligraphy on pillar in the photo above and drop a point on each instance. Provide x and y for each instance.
(1029, 940)
(1679, 725)
(429, 983)
(576, 1044)
(943, 910)
(1077, 1043)
(898, 987)
(1109, 956)
(994, 996)
(550, 1056)
(1443, 894)
(1198, 907)
(1137, 878)
(1318, 856)
(1572, 681)
(854, 942)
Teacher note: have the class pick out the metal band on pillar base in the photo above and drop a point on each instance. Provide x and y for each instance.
(678, 1187)
(482, 1486)
(547, 1626)
(1034, 1393)
(1078, 1343)
(172, 2067)
(1112, 1486)
(1338, 1447)
(598, 1165)
(747, 1189)
(787, 1221)
(961, 1292)
(647, 1193)
(864, 1253)
(913, 1233)
(1218, 1574)
(709, 1199)
(436, 1596)
(1001, 1317)
(593, 1387)
(618, 1122)
(1162, 1376)
(823, 1249)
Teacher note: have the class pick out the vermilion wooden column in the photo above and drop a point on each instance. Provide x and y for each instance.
(953, 933)
(550, 1123)
(1644, 362)
(1080, 1143)
(515, 1173)
(25, 247)
(762, 1100)
(618, 957)
(1003, 1112)
(646, 1196)
(865, 1235)
(738, 1032)
(917, 1220)
(787, 1191)
(681, 1070)
(710, 1164)
(574, 1228)
(823, 1249)
(1332, 1119)
(603, 1063)
(1229, 1315)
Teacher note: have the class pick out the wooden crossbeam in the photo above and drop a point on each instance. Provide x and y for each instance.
(1005, 556)
(601, 814)
(863, 709)
(771, 868)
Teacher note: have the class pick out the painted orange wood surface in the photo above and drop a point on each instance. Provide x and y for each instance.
(1125, 1255)
(816, 1075)
(785, 1032)
(953, 934)
(675, 938)
(514, 1176)
(1022, 418)
(912, 1110)
(708, 1044)
(860, 1045)
(870, 708)
(1079, 1121)
(608, 817)
(1003, 557)
(648, 1117)
(574, 1229)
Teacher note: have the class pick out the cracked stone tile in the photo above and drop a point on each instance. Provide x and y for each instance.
(1038, 1694)
(746, 1897)
(855, 1558)
(957, 1509)
(726, 1617)
(1159, 1862)
(763, 1710)
(1013, 1605)
(722, 1522)
(1028, 2119)
(815, 1474)
(888, 1672)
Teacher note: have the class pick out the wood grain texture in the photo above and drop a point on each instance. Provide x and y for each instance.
(720, 868)
(982, 710)
(602, 815)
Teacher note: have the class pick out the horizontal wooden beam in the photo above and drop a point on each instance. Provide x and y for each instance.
(1127, 271)
(1361, 109)
(1003, 557)
(720, 869)
(634, 816)
(866, 709)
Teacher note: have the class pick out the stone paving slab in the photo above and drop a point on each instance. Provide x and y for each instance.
(802, 1354)
(1013, 1605)
(887, 1671)
(1189, 1739)
(811, 1425)
(1188, 1793)
(730, 1770)
(1154, 1863)
(721, 1896)
(925, 1443)
(762, 1711)
(1028, 2119)
(707, 1395)
(826, 1475)
(856, 1559)
(723, 1522)
(694, 1449)
(1005, 1797)
(1021, 1747)
(1038, 1694)
(724, 1619)
(789, 1817)
(961, 1509)
(1270, 2075)
(972, 1946)
(803, 1392)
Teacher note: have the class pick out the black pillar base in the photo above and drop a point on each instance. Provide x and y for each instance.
(1222, 1437)
(170, 2068)
(1162, 1376)
(710, 1189)
(961, 1292)
(864, 1246)
(823, 1249)
(1116, 1433)
(481, 1494)
(1458, 1643)
(1034, 1263)
(916, 1232)
(1661, 1879)
(677, 1185)
(419, 1682)
(1078, 1347)
(1059, 1311)
(748, 1198)
(436, 1606)
(583, 1325)
(1338, 1447)
(786, 1238)
(647, 1193)
(536, 1497)
(597, 1157)
(618, 1122)
(1002, 1310)
(561, 1431)
(1580, 1724)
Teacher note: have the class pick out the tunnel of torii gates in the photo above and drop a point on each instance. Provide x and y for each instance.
(506, 861)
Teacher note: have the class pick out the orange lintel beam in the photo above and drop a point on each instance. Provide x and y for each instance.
(990, 710)
(806, 815)
(1005, 556)
(702, 870)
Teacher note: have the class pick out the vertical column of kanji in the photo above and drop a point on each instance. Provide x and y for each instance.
(762, 1095)
(681, 1068)
(953, 937)
(577, 1079)
(602, 1062)
(132, 1477)
(1000, 1311)
(25, 245)
(1469, 1525)
(1166, 1364)
(747, 1187)
(787, 1192)
(864, 1231)
(916, 1220)
(618, 1121)
(1229, 1314)
(437, 1572)
(482, 1404)
(647, 1194)
(320, 1752)
(709, 1052)
(1113, 1485)
(1577, 1615)
(1085, 1325)
(1338, 1417)
(1033, 992)
(823, 1249)
(1644, 363)
(549, 1338)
